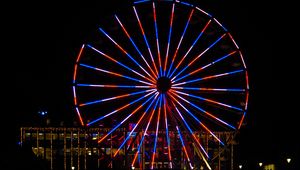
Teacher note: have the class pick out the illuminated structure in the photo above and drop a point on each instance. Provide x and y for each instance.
(64, 148)
(162, 68)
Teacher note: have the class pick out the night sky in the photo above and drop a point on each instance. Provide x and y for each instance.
(49, 35)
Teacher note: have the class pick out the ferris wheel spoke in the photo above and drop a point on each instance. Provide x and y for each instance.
(204, 67)
(209, 100)
(119, 63)
(114, 86)
(141, 1)
(136, 125)
(204, 111)
(114, 73)
(124, 120)
(209, 77)
(191, 131)
(210, 89)
(137, 49)
(119, 109)
(157, 39)
(115, 97)
(145, 39)
(169, 39)
(146, 129)
(184, 148)
(167, 131)
(198, 121)
(194, 43)
(180, 41)
(124, 51)
(156, 133)
(190, 63)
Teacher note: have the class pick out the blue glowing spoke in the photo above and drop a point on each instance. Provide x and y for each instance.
(156, 133)
(157, 39)
(116, 97)
(210, 89)
(192, 46)
(114, 86)
(198, 121)
(119, 109)
(202, 53)
(145, 131)
(145, 39)
(129, 135)
(208, 77)
(135, 46)
(179, 43)
(203, 111)
(124, 51)
(114, 73)
(141, 1)
(119, 63)
(210, 100)
(184, 148)
(204, 67)
(167, 132)
(124, 120)
(191, 131)
(169, 39)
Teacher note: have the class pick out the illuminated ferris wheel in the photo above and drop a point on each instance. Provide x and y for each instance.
(166, 70)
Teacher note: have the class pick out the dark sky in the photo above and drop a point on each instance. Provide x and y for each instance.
(49, 34)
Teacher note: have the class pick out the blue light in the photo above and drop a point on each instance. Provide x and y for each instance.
(43, 113)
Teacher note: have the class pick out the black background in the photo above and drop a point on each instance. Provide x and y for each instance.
(47, 35)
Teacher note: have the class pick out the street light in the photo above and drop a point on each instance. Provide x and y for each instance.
(260, 164)
(240, 166)
(288, 160)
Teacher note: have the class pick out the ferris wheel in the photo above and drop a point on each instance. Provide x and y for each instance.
(160, 66)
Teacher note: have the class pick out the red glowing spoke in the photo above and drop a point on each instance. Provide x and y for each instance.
(156, 134)
(119, 63)
(210, 89)
(145, 39)
(119, 109)
(115, 86)
(169, 39)
(202, 53)
(167, 132)
(135, 46)
(115, 97)
(124, 51)
(208, 77)
(192, 46)
(204, 111)
(141, 142)
(184, 149)
(204, 67)
(157, 39)
(114, 73)
(138, 122)
(124, 120)
(198, 121)
(187, 125)
(209, 100)
(180, 41)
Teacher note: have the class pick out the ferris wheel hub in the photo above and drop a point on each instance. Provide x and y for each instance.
(163, 84)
